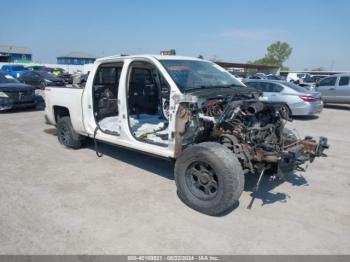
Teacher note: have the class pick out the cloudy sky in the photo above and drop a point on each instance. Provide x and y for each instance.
(236, 31)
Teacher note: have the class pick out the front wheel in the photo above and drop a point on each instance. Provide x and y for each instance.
(209, 178)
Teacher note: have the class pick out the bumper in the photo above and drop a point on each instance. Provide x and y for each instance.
(7, 103)
(307, 109)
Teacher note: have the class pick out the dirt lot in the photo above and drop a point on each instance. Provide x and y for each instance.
(59, 201)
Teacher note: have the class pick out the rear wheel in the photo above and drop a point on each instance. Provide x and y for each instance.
(66, 134)
(209, 178)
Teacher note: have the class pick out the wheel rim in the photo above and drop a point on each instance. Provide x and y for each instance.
(64, 135)
(202, 180)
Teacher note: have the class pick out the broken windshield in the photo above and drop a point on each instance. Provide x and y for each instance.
(189, 75)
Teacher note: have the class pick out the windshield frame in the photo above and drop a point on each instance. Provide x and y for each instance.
(180, 62)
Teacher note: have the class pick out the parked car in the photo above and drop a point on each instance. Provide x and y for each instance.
(335, 89)
(300, 101)
(14, 70)
(256, 76)
(309, 82)
(273, 77)
(187, 109)
(314, 79)
(59, 72)
(296, 77)
(14, 94)
(37, 68)
(41, 79)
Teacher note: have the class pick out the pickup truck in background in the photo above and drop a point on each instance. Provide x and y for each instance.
(187, 109)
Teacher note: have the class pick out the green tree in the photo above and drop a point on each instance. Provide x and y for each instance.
(277, 53)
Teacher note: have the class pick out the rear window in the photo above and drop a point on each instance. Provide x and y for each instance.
(295, 87)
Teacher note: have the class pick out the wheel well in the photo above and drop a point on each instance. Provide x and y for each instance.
(60, 111)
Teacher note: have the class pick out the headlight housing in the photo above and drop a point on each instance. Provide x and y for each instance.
(2, 94)
(47, 81)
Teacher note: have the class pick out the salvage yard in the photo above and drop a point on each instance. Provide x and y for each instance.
(59, 201)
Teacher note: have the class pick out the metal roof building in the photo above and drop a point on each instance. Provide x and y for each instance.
(76, 58)
(257, 68)
(15, 54)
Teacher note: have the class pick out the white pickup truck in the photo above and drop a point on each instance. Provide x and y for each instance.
(187, 109)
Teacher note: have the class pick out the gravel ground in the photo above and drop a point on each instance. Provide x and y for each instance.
(59, 201)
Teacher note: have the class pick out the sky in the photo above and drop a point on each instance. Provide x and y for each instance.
(232, 31)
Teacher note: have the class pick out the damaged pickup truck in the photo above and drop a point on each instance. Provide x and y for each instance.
(187, 109)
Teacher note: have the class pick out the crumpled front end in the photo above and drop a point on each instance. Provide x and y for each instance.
(253, 130)
(294, 156)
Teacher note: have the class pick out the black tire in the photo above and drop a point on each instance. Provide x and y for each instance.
(66, 134)
(215, 166)
(42, 85)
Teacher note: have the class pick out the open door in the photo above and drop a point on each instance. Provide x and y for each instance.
(148, 103)
(105, 97)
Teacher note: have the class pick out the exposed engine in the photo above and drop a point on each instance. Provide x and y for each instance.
(254, 131)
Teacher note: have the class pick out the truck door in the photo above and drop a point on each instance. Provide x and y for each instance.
(105, 97)
(327, 87)
(147, 103)
(343, 90)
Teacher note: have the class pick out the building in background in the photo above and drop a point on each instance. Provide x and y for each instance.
(76, 58)
(249, 68)
(15, 54)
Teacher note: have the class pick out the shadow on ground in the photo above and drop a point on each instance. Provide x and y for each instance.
(305, 118)
(158, 166)
(165, 169)
(340, 107)
(268, 184)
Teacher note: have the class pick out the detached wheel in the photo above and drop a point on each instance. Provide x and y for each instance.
(209, 178)
(66, 134)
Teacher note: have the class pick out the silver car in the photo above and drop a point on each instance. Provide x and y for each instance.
(335, 89)
(299, 100)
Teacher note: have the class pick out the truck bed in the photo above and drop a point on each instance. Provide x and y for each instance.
(65, 98)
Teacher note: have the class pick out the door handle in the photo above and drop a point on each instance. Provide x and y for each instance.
(332, 88)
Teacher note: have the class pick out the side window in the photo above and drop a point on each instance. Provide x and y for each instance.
(107, 76)
(329, 81)
(258, 85)
(267, 87)
(105, 92)
(275, 88)
(344, 81)
(252, 84)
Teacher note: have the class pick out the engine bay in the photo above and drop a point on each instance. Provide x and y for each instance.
(253, 130)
